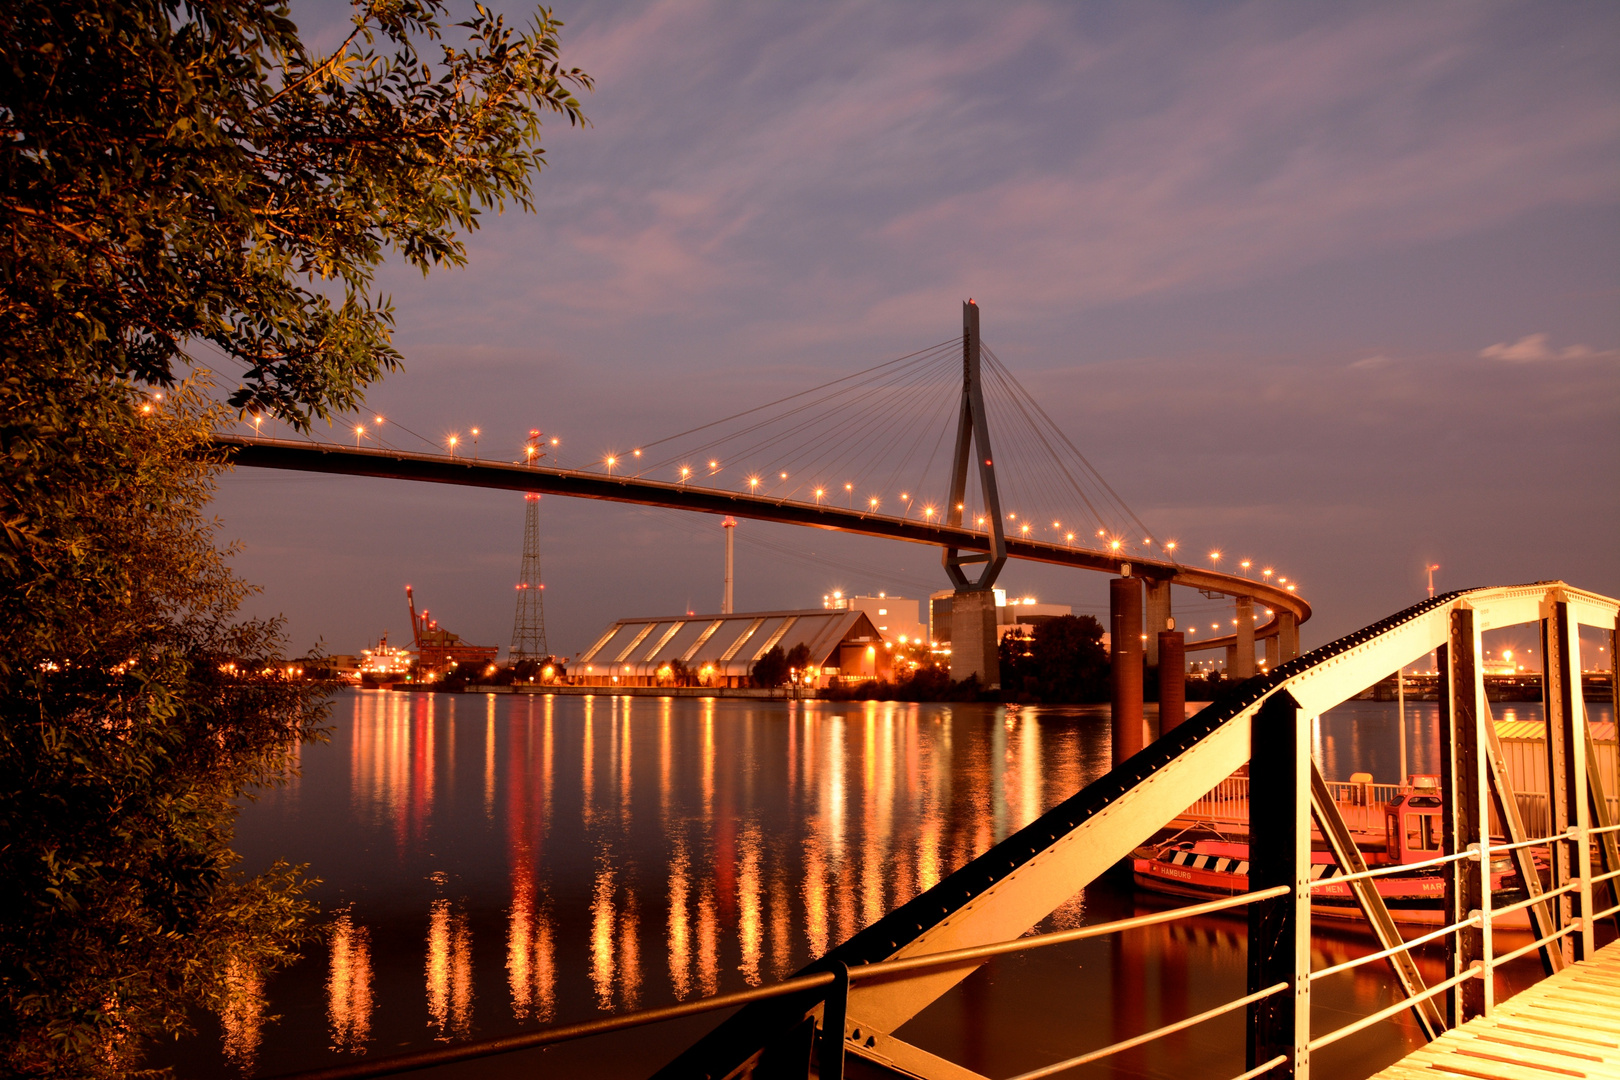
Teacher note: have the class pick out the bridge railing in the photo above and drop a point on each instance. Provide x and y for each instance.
(830, 989)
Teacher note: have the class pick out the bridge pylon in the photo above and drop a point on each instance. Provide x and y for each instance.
(973, 609)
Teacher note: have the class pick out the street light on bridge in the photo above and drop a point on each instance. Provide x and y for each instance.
(453, 441)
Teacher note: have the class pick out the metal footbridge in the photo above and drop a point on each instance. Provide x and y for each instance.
(849, 1004)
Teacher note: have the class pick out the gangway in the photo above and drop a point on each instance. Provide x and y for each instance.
(851, 1002)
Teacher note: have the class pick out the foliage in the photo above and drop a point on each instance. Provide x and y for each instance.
(770, 670)
(178, 171)
(798, 657)
(134, 710)
(1063, 661)
(922, 684)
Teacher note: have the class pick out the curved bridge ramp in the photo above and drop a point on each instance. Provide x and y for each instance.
(1013, 886)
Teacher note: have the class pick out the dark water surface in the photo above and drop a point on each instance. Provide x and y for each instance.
(492, 864)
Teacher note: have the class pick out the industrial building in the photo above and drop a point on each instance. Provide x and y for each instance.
(1019, 614)
(894, 616)
(720, 650)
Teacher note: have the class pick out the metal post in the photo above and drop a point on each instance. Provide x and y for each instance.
(1125, 665)
(833, 1014)
(1280, 854)
(1462, 787)
(730, 527)
(1400, 698)
(1566, 774)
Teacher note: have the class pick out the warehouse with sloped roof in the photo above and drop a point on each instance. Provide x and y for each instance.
(720, 650)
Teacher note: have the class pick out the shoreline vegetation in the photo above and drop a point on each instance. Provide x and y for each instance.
(179, 176)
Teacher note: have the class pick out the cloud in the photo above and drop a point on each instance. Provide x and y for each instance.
(1533, 349)
(1372, 363)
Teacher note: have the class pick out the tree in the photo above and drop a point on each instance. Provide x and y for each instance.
(134, 710)
(770, 670)
(1062, 661)
(797, 658)
(178, 172)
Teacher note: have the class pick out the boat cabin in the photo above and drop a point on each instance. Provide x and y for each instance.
(1412, 822)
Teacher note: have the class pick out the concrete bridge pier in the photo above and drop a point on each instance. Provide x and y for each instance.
(1125, 665)
(1287, 636)
(1273, 651)
(1244, 668)
(1172, 677)
(1156, 617)
(973, 637)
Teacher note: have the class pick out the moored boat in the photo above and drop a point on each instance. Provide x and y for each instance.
(1212, 865)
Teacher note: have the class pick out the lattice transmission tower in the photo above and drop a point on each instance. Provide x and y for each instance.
(529, 625)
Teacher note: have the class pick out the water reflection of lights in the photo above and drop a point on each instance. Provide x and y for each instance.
(348, 985)
(750, 921)
(242, 1019)
(449, 971)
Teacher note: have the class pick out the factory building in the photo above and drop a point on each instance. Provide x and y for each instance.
(720, 650)
(1015, 615)
(894, 616)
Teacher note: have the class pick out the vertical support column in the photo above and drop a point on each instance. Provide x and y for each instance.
(1156, 616)
(1125, 665)
(1462, 787)
(1280, 854)
(973, 637)
(1245, 639)
(1566, 774)
(1172, 678)
(1273, 651)
(730, 527)
(1287, 635)
(1231, 661)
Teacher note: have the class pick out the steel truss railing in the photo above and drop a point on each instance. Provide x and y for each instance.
(1286, 794)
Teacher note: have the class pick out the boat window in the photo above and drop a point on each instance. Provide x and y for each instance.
(1423, 832)
(1397, 800)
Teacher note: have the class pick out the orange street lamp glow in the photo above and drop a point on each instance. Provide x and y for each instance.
(453, 441)
(1170, 546)
(685, 472)
(819, 493)
(637, 453)
(753, 482)
(1113, 545)
(1069, 537)
(928, 512)
(1267, 572)
(874, 502)
(1245, 564)
(1214, 556)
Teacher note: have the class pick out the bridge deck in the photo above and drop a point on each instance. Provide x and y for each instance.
(1567, 1025)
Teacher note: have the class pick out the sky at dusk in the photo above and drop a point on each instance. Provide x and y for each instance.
(1332, 287)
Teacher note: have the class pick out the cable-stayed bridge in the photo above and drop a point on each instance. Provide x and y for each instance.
(876, 453)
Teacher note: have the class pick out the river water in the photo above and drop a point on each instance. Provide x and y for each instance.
(494, 863)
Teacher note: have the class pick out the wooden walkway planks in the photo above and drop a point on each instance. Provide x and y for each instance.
(1567, 1025)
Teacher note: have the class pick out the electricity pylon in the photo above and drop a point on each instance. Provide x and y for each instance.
(529, 625)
